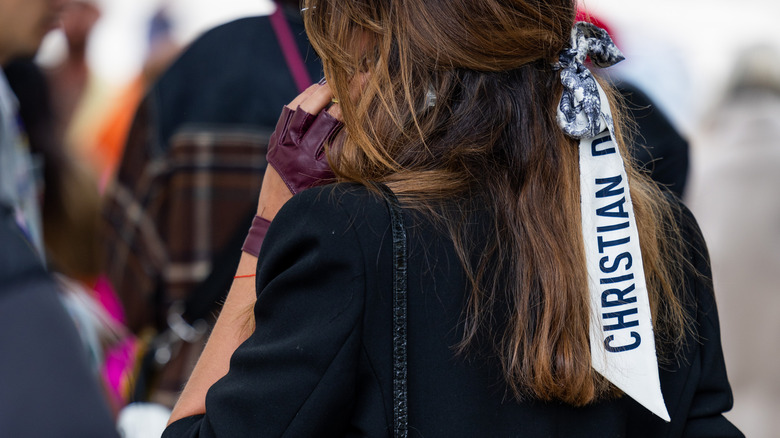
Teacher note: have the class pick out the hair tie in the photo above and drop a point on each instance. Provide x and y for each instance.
(579, 113)
(621, 333)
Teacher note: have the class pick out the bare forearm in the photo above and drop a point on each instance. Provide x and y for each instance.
(229, 332)
(273, 195)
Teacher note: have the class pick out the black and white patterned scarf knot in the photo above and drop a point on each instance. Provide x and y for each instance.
(579, 112)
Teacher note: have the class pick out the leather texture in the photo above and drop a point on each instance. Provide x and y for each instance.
(254, 240)
(296, 148)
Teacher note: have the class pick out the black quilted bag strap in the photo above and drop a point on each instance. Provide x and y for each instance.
(400, 407)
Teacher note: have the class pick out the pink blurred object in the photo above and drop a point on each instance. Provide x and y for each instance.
(120, 359)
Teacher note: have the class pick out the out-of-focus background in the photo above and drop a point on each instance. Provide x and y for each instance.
(682, 50)
(119, 41)
(712, 66)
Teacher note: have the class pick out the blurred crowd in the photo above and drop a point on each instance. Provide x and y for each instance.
(123, 211)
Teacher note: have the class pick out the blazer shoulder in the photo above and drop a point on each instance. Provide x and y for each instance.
(356, 203)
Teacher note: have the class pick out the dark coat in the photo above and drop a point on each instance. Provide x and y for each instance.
(47, 388)
(319, 362)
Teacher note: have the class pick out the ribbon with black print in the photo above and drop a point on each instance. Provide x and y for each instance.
(621, 331)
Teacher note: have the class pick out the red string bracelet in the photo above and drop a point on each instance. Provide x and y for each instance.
(245, 276)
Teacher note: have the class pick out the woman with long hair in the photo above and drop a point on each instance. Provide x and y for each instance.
(512, 297)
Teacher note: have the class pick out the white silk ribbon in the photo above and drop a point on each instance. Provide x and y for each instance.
(621, 332)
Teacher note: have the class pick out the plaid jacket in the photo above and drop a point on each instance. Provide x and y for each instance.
(193, 165)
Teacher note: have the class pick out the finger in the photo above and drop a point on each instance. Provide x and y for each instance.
(356, 86)
(303, 96)
(317, 100)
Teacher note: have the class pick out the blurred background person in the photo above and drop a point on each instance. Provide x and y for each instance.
(70, 206)
(69, 194)
(733, 193)
(69, 200)
(80, 144)
(48, 387)
(71, 78)
(92, 115)
(185, 191)
(111, 132)
(19, 173)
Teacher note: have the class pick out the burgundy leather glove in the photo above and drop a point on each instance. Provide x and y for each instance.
(296, 148)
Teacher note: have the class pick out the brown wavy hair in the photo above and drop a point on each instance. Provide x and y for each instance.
(491, 143)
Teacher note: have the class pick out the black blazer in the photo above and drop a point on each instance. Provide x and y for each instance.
(319, 362)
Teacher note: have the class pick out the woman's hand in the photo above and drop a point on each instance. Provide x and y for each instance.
(302, 147)
(295, 151)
